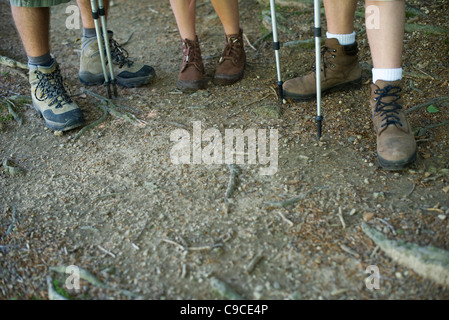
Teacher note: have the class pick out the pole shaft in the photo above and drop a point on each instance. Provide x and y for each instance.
(106, 38)
(276, 46)
(100, 44)
(318, 53)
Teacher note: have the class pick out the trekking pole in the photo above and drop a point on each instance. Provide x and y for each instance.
(317, 13)
(276, 46)
(102, 13)
(95, 16)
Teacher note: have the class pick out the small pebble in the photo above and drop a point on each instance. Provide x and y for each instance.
(367, 216)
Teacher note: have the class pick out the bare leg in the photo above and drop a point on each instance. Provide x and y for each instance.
(386, 41)
(33, 25)
(340, 15)
(228, 12)
(86, 12)
(184, 11)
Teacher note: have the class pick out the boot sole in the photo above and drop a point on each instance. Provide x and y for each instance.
(90, 79)
(191, 86)
(225, 80)
(354, 84)
(56, 126)
(396, 165)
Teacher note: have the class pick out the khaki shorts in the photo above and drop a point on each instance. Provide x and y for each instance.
(36, 3)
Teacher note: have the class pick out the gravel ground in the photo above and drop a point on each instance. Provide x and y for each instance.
(113, 203)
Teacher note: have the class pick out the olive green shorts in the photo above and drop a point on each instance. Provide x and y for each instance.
(36, 3)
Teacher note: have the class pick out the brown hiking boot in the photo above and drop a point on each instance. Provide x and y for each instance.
(340, 69)
(191, 76)
(232, 62)
(396, 146)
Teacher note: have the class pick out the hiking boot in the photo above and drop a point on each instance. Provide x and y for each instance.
(232, 62)
(127, 72)
(50, 99)
(339, 69)
(396, 146)
(191, 76)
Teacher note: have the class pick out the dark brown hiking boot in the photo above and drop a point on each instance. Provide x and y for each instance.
(396, 146)
(232, 62)
(191, 76)
(339, 69)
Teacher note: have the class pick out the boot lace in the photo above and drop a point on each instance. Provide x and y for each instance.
(326, 55)
(119, 55)
(191, 56)
(388, 110)
(52, 87)
(231, 50)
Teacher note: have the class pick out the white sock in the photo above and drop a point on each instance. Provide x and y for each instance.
(343, 39)
(387, 74)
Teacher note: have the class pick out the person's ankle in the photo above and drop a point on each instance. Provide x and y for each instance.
(89, 32)
(45, 60)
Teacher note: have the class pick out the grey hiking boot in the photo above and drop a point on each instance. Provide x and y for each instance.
(127, 72)
(396, 146)
(50, 99)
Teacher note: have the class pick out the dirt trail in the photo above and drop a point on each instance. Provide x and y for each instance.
(114, 204)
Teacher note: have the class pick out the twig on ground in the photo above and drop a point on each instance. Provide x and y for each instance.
(340, 216)
(106, 251)
(411, 191)
(13, 223)
(387, 224)
(349, 250)
(234, 171)
(289, 222)
(428, 103)
(374, 251)
(289, 202)
(422, 131)
(13, 63)
(248, 104)
(11, 110)
(252, 264)
(262, 38)
(92, 125)
(112, 108)
(249, 43)
(174, 243)
(132, 33)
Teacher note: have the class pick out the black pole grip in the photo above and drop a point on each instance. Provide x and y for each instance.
(281, 90)
(319, 120)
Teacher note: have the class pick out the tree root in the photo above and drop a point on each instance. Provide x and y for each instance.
(13, 63)
(430, 262)
(109, 107)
